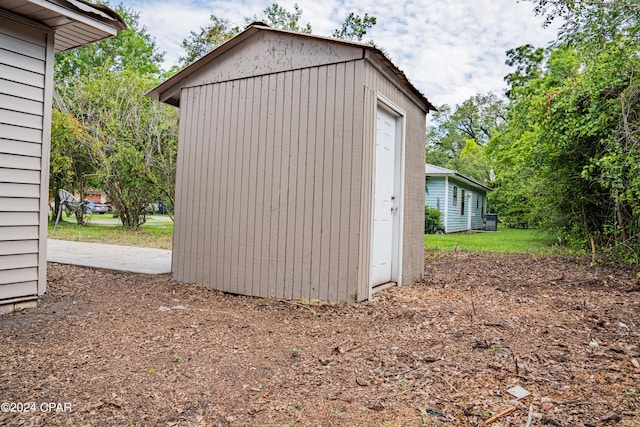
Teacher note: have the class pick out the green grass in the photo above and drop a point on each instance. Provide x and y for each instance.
(504, 240)
(106, 229)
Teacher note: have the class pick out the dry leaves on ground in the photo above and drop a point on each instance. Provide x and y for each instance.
(124, 349)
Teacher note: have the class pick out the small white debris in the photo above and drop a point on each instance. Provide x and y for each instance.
(178, 307)
(163, 308)
(594, 344)
(518, 392)
(623, 325)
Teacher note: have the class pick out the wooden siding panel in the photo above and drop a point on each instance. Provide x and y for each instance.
(32, 92)
(327, 181)
(261, 250)
(10, 262)
(356, 179)
(281, 165)
(18, 246)
(18, 218)
(18, 233)
(245, 149)
(18, 45)
(17, 204)
(20, 133)
(252, 276)
(206, 199)
(19, 190)
(21, 148)
(295, 179)
(299, 174)
(19, 162)
(19, 176)
(310, 281)
(180, 235)
(15, 290)
(220, 180)
(18, 275)
(199, 196)
(22, 62)
(17, 118)
(346, 281)
(22, 105)
(238, 89)
(318, 252)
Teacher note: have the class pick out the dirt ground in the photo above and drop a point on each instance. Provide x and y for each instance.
(118, 349)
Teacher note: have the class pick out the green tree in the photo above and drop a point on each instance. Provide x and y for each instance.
(134, 139)
(573, 129)
(355, 27)
(72, 159)
(133, 48)
(456, 139)
(199, 43)
(219, 30)
(278, 17)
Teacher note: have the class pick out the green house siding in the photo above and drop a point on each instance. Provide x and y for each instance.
(447, 193)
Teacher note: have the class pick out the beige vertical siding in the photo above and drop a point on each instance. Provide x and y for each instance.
(26, 55)
(413, 233)
(269, 181)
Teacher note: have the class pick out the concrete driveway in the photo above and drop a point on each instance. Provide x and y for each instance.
(112, 257)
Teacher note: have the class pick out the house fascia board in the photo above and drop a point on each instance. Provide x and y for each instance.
(111, 30)
(459, 177)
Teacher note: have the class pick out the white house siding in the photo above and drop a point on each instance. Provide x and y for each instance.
(434, 195)
(26, 55)
(479, 203)
(455, 221)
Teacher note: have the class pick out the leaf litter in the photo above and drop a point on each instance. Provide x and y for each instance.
(445, 351)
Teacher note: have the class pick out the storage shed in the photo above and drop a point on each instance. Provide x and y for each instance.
(462, 201)
(31, 31)
(300, 171)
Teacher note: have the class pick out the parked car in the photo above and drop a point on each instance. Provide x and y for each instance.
(94, 207)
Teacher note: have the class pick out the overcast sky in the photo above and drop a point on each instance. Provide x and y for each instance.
(449, 49)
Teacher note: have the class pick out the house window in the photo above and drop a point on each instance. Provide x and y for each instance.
(482, 211)
(462, 204)
(438, 203)
(477, 203)
(455, 196)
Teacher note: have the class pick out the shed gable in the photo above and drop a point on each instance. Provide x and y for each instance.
(262, 53)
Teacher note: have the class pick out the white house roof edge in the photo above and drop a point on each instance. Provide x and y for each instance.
(69, 19)
(433, 170)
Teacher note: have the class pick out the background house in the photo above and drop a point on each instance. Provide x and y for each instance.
(299, 168)
(462, 201)
(30, 33)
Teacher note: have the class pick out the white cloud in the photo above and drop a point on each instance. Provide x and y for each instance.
(450, 50)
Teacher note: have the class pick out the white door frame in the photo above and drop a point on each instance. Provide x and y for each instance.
(382, 102)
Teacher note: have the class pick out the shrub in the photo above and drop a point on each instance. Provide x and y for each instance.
(432, 222)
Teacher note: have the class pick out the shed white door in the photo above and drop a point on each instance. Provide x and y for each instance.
(386, 199)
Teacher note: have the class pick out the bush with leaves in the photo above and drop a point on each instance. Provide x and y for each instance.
(432, 220)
